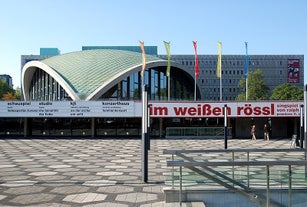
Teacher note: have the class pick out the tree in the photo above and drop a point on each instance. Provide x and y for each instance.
(7, 92)
(5, 88)
(287, 91)
(17, 93)
(257, 89)
(8, 96)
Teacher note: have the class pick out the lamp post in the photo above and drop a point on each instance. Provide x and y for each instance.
(144, 134)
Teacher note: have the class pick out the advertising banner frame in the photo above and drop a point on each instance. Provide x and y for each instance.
(130, 109)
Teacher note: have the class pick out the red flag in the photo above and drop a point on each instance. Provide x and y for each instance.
(196, 60)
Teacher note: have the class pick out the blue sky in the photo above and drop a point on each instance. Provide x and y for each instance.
(269, 26)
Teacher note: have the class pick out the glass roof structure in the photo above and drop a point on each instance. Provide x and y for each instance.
(87, 74)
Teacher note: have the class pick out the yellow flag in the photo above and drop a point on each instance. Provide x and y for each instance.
(219, 60)
(167, 47)
(144, 57)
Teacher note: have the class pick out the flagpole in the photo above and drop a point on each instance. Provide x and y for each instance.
(169, 87)
(168, 69)
(221, 94)
(196, 69)
(246, 72)
(246, 86)
(195, 88)
(219, 68)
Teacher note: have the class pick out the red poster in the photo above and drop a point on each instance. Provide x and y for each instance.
(293, 70)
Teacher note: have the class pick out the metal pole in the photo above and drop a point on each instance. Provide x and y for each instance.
(246, 88)
(195, 88)
(302, 124)
(305, 124)
(225, 126)
(290, 187)
(148, 127)
(173, 178)
(247, 170)
(305, 115)
(169, 88)
(246, 72)
(267, 186)
(233, 168)
(221, 88)
(180, 185)
(144, 134)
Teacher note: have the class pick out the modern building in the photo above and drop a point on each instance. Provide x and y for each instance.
(102, 73)
(276, 69)
(43, 54)
(8, 79)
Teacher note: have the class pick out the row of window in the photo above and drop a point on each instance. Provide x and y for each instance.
(44, 87)
(217, 90)
(217, 81)
(226, 72)
(236, 72)
(180, 88)
(225, 98)
(231, 63)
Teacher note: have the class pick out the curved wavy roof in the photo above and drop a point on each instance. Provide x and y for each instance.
(88, 74)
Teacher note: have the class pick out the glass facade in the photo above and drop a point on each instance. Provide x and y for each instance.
(130, 88)
(45, 88)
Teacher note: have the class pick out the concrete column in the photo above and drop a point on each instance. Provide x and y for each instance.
(93, 127)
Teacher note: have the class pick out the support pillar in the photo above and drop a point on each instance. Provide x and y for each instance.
(93, 127)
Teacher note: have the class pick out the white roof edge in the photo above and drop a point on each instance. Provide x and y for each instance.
(37, 64)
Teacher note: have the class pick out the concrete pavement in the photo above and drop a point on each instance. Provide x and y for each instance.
(94, 172)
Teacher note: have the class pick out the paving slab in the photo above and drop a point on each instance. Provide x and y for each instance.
(94, 172)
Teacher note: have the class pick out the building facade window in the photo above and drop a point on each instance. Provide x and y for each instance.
(44, 88)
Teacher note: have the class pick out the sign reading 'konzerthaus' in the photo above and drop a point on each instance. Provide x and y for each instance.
(67, 109)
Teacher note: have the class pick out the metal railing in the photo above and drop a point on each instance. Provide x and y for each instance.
(243, 159)
(196, 131)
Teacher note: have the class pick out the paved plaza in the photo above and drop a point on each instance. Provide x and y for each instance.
(94, 172)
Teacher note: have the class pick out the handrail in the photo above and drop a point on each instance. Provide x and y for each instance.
(191, 164)
(234, 150)
(235, 163)
(196, 131)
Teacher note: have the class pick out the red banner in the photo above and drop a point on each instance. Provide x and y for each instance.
(293, 70)
(196, 60)
(235, 109)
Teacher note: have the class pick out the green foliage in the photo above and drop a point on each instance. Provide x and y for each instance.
(5, 88)
(18, 93)
(257, 89)
(287, 91)
(241, 97)
(6, 91)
